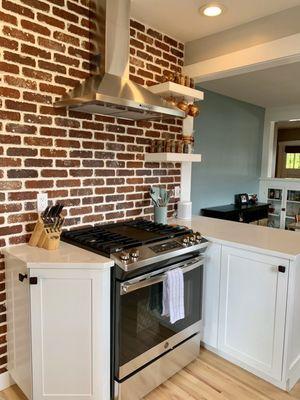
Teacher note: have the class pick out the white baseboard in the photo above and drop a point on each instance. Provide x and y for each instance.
(5, 381)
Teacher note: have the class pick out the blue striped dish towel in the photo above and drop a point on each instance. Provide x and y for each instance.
(173, 295)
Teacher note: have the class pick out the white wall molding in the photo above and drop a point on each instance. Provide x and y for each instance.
(271, 54)
(5, 381)
(273, 115)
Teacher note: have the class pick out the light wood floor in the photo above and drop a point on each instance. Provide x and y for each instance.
(207, 378)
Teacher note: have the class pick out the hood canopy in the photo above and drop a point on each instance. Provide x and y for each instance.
(119, 97)
(111, 92)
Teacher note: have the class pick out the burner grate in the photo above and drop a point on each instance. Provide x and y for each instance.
(108, 239)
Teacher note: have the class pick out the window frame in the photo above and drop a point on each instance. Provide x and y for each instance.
(281, 170)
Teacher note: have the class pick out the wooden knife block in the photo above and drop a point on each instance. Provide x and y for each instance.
(44, 237)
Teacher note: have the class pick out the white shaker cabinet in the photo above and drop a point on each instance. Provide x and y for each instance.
(59, 330)
(70, 334)
(251, 311)
(253, 298)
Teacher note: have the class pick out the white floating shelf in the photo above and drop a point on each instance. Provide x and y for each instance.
(168, 89)
(172, 157)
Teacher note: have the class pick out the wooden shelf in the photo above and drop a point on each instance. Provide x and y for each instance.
(172, 157)
(168, 89)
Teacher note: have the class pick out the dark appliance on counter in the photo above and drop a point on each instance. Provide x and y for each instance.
(240, 213)
(146, 348)
(241, 199)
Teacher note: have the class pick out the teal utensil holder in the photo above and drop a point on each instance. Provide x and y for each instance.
(160, 215)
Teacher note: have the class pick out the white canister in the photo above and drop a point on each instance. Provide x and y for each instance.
(184, 210)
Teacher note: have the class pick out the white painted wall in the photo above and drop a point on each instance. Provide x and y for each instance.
(273, 115)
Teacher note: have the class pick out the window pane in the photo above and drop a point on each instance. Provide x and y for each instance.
(297, 161)
(290, 161)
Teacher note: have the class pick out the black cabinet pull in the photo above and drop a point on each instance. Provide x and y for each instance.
(281, 269)
(33, 280)
(22, 277)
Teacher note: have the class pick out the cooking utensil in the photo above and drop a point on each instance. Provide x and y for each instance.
(154, 194)
(193, 110)
(159, 196)
(183, 105)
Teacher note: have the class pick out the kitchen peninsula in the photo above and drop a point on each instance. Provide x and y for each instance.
(251, 300)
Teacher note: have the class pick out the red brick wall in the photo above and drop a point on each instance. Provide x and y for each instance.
(93, 164)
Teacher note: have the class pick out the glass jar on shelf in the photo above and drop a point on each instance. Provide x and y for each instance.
(188, 144)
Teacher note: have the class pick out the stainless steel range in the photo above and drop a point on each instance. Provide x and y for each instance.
(147, 348)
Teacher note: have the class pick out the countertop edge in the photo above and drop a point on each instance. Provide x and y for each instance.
(94, 261)
(206, 225)
(256, 249)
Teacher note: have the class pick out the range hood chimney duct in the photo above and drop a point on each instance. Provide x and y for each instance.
(111, 92)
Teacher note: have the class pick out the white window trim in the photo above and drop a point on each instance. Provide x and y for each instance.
(281, 159)
(272, 116)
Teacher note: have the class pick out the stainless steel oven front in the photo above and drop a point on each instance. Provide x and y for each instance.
(142, 334)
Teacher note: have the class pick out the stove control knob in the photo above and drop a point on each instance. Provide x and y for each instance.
(192, 238)
(198, 236)
(185, 240)
(135, 253)
(124, 256)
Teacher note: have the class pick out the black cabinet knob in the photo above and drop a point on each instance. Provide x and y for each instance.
(22, 277)
(33, 280)
(281, 269)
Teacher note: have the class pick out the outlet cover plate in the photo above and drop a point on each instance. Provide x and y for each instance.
(42, 202)
(177, 191)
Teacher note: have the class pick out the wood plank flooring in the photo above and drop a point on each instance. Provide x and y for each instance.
(207, 378)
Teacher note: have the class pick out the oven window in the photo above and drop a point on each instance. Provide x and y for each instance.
(141, 325)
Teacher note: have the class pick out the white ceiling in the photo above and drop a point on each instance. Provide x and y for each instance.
(181, 19)
(273, 87)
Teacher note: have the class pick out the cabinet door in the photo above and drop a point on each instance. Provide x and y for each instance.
(253, 295)
(70, 317)
(211, 294)
(18, 324)
(277, 199)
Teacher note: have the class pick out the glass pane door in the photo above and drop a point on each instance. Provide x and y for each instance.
(274, 200)
(292, 208)
(141, 325)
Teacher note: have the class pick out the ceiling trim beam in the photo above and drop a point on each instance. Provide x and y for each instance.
(267, 55)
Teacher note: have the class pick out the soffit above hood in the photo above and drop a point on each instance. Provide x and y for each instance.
(110, 91)
(119, 97)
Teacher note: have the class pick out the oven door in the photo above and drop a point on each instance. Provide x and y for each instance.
(141, 333)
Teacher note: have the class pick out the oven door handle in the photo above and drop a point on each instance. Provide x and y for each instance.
(127, 287)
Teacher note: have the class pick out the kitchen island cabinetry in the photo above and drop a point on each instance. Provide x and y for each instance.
(59, 323)
(253, 296)
(251, 306)
(251, 313)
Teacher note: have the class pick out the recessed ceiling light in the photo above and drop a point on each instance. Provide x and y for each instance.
(212, 9)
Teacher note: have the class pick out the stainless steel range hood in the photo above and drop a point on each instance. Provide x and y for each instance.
(110, 92)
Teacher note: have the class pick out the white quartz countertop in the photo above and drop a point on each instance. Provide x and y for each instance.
(276, 242)
(67, 256)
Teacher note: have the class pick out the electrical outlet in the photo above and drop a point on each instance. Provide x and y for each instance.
(42, 202)
(177, 191)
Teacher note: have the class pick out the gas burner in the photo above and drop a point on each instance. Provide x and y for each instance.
(135, 244)
(114, 238)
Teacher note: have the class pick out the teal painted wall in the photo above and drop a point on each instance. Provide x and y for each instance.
(228, 134)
